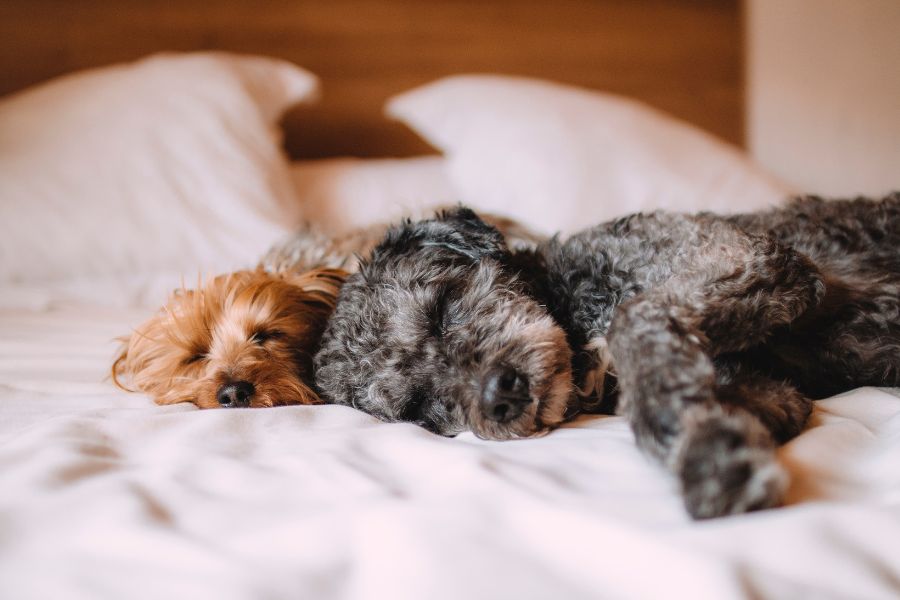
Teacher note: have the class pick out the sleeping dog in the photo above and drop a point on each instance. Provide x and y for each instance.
(711, 334)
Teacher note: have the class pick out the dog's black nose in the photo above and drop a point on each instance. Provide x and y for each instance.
(236, 394)
(504, 395)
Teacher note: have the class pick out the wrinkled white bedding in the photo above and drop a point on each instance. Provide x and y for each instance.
(103, 494)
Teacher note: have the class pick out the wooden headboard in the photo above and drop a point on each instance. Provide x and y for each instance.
(683, 56)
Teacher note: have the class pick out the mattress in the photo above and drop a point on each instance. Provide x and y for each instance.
(104, 494)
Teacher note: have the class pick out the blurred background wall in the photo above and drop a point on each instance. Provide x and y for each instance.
(682, 56)
(823, 92)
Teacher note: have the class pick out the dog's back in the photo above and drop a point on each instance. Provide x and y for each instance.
(852, 337)
(843, 236)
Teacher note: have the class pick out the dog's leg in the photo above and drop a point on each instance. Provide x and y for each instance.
(662, 343)
(781, 407)
(760, 285)
(726, 465)
(724, 458)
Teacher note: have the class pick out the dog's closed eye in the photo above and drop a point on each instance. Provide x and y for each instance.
(264, 335)
(194, 358)
(414, 408)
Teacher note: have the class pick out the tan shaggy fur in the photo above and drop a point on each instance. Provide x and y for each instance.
(249, 326)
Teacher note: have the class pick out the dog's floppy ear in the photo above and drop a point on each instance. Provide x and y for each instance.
(460, 231)
(454, 234)
(463, 231)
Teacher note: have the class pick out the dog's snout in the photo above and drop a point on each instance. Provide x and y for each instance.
(504, 395)
(235, 394)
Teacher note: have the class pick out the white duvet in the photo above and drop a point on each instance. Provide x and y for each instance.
(103, 494)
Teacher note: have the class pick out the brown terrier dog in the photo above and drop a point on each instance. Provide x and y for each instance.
(243, 339)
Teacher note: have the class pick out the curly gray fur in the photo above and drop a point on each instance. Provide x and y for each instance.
(430, 320)
(715, 332)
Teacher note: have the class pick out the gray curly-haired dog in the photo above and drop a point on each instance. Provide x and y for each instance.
(714, 332)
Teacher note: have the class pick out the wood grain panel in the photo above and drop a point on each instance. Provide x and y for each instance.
(683, 56)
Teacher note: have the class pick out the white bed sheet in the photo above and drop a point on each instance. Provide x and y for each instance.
(103, 494)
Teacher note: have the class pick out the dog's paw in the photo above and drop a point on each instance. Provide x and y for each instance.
(728, 467)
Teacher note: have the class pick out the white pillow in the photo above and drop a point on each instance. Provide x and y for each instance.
(345, 193)
(169, 163)
(562, 158)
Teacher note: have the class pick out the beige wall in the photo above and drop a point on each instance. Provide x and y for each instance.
(823, 93)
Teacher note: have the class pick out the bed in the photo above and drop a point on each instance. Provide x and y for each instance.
(117, 184)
